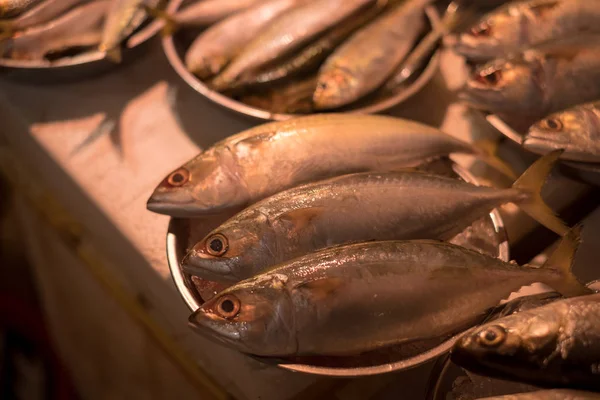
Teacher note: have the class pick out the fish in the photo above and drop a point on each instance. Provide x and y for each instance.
(269, 158)
(207, 12)
(576, 130)
(352, 299)
(356, 208)
(80, 27)
(11, 8)
(556, 345)
(524, 24)
(43, 12)
(215, 47)
(288, 33)
(553, 394)
(293, 96)
(539, 81)
(368, 58)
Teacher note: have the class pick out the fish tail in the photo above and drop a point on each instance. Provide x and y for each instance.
(486, 150)
(170, 25)
(562, 260)
(531, 183)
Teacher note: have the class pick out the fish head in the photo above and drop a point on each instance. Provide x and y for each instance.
(505, 86)
(334, 88)
(236, 250)
(254, 316)
(559, 130)
(512, 345)
(205, 185)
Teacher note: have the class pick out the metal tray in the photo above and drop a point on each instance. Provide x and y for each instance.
(486, 235)
(175, 51)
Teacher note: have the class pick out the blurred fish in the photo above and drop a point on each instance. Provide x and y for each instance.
(556, 345)
(264, 160)
(217, 45)
(577, 130)
(41, 13)
(539, 81)
(291, 31)
(523, 24)
(10, 8)
(358, 208)
(347, 300)
(80, 27)
(207, 12)
(291, 97)
(368, 58)
(554, 394)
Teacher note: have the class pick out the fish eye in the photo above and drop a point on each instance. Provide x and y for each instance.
(553, 124)
(228, 306)
(179, 177)
(492, 337)
(483, 29)
(489, 77)
(216, 245)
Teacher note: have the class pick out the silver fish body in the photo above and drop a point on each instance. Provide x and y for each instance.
(576, 130)
(554, 394)
(523, 24)
(291, 31)
(368, 58)
(207, 12)
(264, 160)
(217, 45)
(123, 17)
(356, 298)
(46, 11)
(556, 345)
(10, 8)
(539, 81)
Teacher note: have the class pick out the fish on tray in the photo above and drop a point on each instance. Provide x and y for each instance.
(43, 12)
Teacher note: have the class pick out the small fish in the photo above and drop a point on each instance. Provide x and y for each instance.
(577, 130)
(554, 394)
(556, 345)
(351, 299)
(267, 159)
(368, 58)
(217, 45)
(289, 32)
(523, 24)
(38, 14)
(79, 27)
(207, 12)
(539, 81)
(293, 96)
(357, 208)
(11, 8)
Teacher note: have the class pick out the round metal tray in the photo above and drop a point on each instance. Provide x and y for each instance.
(486, 235)
(375, 103)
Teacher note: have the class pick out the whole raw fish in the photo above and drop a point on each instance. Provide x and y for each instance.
(556, 345)
(217, 45)
(368, 58)
(577, 130)
(539, 81)
(38, 14)
(523, 24)
(289, 32)
(554, 394)
(357, 208)
(207, 12)
(351, 299)
(264, 160)
(10, 8)
(79, 27)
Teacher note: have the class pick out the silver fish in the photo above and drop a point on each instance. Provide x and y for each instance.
(523, 24)
(10, 8)
(356, 208)
(217, 45)
(539, 81)
(38, 14)
(368, 58)
(577, 130)
(264, 160)
(79, 27)
(554, 394)
(291, 31)
(556, 345)
(352, 299)
(207, 12)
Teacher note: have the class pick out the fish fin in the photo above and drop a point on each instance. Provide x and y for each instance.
(562, 260)
(300, 218)
(321, 288)
(532, 181)
(170, 23)
(114, 55)
(486, 150)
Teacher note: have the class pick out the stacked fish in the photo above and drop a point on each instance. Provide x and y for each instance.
(538, 68)
(340, 248)
(39, 30)
(297, 56)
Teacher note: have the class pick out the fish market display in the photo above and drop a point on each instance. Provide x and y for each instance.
(576, 130)
(540, 81)
(522, 24)
(9, 8)
(355, 298)
(264, 160)
(556, 345)
(367, 59)
(357, 208)
(555, 394)
(43, 12)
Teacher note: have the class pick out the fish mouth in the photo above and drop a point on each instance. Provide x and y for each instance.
(199, 265)
(213, 328)
(541, 144)
(170, 203)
